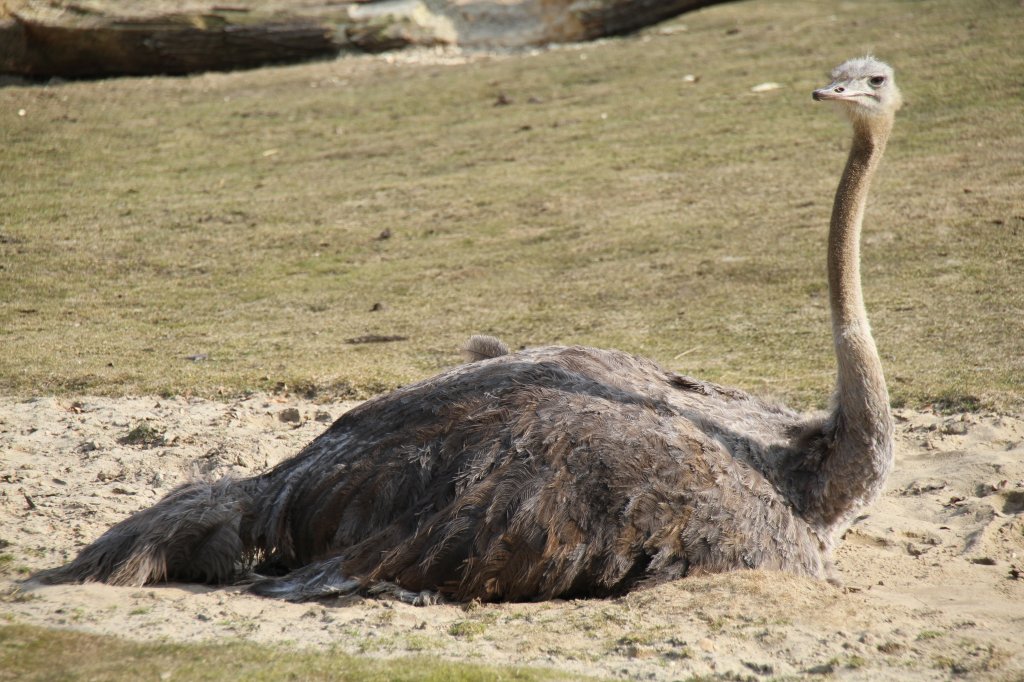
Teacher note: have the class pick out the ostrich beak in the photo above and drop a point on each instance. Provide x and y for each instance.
(839, 91)
(828, 92)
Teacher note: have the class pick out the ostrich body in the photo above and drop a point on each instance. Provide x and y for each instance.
(561, 471)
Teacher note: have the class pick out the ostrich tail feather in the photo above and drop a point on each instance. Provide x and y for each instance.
(193, 534)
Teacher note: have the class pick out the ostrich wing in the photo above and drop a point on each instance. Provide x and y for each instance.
(553, 472)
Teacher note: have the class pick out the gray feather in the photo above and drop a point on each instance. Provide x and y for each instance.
(480, 347)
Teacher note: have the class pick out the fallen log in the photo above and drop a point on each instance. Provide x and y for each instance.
(41, 39)
(73, 46)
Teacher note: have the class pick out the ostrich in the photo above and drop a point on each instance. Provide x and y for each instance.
(551, 472)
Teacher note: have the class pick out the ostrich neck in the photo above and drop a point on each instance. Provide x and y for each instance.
(861, 454)
(861, 383)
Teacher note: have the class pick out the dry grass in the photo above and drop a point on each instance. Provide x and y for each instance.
(78, 656)
(237, 216)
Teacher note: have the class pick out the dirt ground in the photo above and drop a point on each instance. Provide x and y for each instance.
(933, 572)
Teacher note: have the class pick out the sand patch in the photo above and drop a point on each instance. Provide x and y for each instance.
(933, 572)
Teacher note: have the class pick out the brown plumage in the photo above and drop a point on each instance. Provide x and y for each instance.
(552, 471)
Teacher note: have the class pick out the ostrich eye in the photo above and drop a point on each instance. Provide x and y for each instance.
(876, 81)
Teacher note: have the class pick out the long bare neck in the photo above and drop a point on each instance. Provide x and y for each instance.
(860, 390)
(860, 451)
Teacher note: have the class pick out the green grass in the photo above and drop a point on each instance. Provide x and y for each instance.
(236, 216)
(144, 434)
(32, 653)
(467, 628)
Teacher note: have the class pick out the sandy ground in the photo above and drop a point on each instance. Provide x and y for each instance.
(933, 582)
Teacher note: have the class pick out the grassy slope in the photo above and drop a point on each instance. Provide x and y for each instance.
(146, 220)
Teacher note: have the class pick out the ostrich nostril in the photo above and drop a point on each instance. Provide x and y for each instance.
(840, 88)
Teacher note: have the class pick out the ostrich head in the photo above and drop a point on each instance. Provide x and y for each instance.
(864, 88)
